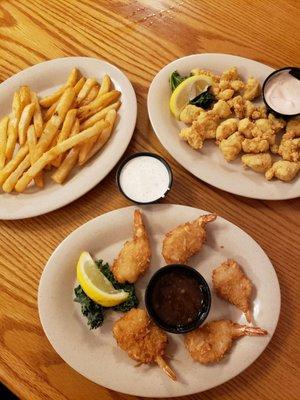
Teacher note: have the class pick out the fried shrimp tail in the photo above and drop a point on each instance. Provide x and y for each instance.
(143, 341)
(209, 343)
(134, 258)
(166, 368)
(186, 240)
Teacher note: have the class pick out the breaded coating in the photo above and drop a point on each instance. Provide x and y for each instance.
(289, 148)
(258, 162)
(190, 113)
(185, 240)
(231, 284)
(210, 342)
(276, 123)
(237, 105)
(293, 126)
(225, 94)
(221, 109)
(252, 89)
(231, 147)
(259, 112)
(263, 129)
(143, 341)
(274, 148)
(198, 71)
(134, 258)
(226, 128)
(255, 145)
(204, 127)
(245, 127)
(284, 170)
(230, 74)
(237, 85)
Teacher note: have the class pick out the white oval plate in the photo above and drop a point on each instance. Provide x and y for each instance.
(45, 78)
(95, 354)
(209, 164)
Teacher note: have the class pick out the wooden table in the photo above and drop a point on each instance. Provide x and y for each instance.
(140, 37)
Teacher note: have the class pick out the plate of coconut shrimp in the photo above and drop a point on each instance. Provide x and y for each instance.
(208, 112)
(127, 351)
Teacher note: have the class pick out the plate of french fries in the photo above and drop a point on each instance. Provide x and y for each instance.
(64, 124)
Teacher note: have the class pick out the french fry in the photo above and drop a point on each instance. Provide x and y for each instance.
(99, 103)
(101, 139)
(105, 85)
(66, 166)
(11, 181)
(56, 151)
(51, 110)
(24, 122)
(65, 133)
(37, 116)
(12, 131)
(79, 85)
(25, 98)
(31, 141)
(52, 98)
(99, 115)
(70, 161)
(91, 95)
(54, 123)
(3, 139)
(13, 163)
(86, 88)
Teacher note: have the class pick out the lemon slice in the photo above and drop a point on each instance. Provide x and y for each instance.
(188, 90)
(95, 285)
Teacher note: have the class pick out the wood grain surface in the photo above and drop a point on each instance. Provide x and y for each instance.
(140, 37)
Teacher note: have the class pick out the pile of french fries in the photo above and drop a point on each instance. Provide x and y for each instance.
(58, 132)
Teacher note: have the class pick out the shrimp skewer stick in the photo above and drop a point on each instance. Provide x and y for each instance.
(134, 258)
(186, 240)
(232, 284)
(143, 341)
(210, 342)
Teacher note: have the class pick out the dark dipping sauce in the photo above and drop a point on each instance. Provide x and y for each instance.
(177, 298)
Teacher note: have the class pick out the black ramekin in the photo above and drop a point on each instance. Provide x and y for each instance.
(203, 313)
(125, 161)
(297, 71)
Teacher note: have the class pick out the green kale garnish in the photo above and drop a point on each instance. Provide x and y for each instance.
(95, 312)
(91, 310)
(176, 79)
(203, 100)
(132, 300)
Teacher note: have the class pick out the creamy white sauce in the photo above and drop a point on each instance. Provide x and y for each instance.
(144, 179)
(282, 93)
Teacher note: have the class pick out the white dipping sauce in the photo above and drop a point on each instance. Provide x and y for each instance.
(282, 93)
(144, 179)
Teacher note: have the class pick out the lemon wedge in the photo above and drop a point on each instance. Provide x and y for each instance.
(95, 285)
(188, 90)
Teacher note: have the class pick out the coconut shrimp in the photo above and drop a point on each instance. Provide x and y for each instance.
(143, 341)
(134, 258)
(232, 284)
(186, 240)
(210, 343)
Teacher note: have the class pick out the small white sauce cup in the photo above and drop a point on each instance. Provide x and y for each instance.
(294, 71)
(144, 154)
